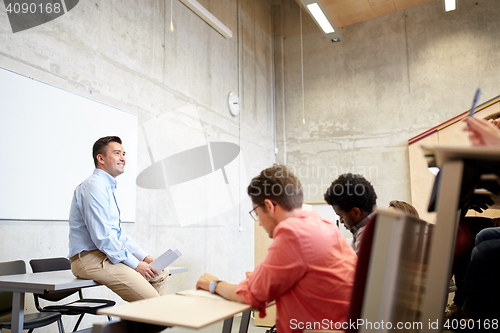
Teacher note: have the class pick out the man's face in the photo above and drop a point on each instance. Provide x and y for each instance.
(113, 160)
(266, 221)
(345, 217)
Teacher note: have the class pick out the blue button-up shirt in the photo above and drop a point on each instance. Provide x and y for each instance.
(94, 222)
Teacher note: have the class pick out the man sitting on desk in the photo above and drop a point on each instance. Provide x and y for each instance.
(100, 249)
(309, 267)
(352, 197)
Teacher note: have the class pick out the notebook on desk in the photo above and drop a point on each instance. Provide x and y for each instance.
(200, 293)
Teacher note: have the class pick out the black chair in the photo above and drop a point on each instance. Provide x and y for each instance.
(31, 321)
(79, 307)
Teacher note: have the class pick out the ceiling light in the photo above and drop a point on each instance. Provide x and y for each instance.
(320, 18)
(319, 15)
(449, 5)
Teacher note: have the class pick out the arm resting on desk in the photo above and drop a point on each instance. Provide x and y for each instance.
(226, 290)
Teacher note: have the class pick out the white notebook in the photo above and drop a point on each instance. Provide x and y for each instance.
(200, 293)
(166, 259)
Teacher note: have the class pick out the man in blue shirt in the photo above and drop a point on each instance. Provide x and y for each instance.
(99, 248)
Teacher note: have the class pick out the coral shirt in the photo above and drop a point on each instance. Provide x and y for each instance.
(308, 270)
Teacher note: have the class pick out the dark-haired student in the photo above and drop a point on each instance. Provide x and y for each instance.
(352, 197)
(309, 267)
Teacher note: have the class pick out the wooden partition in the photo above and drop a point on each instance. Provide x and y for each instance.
(262, 243)
(450, 132)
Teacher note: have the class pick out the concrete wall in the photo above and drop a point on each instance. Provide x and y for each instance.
(391, 78)
(122, 53)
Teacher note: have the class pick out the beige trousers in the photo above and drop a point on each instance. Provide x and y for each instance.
(123, 280)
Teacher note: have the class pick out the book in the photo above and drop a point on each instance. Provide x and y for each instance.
(166, 259)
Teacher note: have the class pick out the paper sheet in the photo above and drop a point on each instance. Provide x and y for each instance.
(166, 259)
(200, 293)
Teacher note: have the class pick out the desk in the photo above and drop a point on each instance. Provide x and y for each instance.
(451, 161)
(177, 310)
(38, 283)
(175, 270)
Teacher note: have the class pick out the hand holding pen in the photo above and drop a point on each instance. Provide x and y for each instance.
(483, 133)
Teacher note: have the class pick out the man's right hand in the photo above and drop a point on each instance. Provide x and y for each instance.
(146, 270)
(483, 133)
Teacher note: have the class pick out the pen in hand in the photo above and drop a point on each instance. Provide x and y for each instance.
(474, 103)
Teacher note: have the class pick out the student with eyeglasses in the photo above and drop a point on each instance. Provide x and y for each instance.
(309, 267)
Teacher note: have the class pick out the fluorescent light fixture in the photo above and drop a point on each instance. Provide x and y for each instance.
(208, 17)
(321, 18)
(450, 5)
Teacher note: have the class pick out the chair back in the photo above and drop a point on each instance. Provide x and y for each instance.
(359, 286)
(49, 265)
(9, 268)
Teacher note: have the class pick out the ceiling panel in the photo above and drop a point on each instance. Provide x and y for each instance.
(347, 12)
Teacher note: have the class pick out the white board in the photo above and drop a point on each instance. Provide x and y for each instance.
(46, 139)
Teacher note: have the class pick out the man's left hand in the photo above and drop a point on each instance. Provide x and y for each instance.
(204, 281)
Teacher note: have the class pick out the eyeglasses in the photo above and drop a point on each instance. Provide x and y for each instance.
(253, 214)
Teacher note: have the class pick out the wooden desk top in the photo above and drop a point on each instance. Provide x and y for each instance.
(177, 310)
(45, 281)
(444, 154)
(175, 270)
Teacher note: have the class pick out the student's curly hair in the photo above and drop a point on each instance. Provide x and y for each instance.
(350, 191)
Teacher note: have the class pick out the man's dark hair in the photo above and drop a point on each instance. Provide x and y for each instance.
(350, 191)
(278, 184)
(100, 146)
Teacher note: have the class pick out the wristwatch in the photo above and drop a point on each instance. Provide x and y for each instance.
(213, 285)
